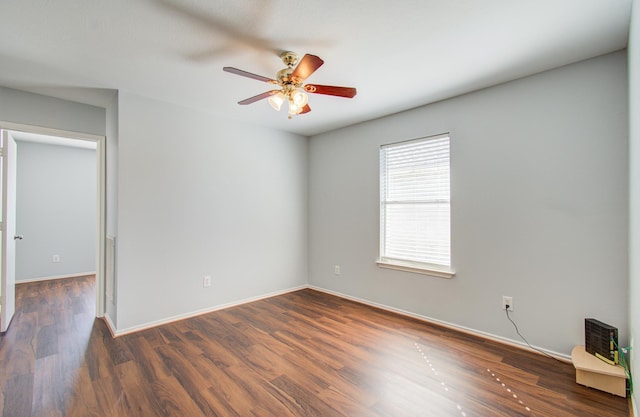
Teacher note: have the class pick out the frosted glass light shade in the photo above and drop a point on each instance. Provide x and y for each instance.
(300, 98)
(294, 108)
(276, 101)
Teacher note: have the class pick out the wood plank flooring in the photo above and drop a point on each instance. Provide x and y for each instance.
(300, 354)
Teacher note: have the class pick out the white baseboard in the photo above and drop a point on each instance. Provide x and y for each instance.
(110, 325)
(116, 333)
(79, 274)
(484, 335)
(156, 323)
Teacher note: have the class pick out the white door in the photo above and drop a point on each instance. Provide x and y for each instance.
(8, 230)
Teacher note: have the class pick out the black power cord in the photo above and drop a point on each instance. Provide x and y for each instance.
(506, 309)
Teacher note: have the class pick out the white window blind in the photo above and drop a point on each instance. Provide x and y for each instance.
(415, 202)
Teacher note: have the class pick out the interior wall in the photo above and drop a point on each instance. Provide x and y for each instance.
(539, 206)
(38, 110)
(634, 192)
(112, 114)
(56, 211)
(197, 196)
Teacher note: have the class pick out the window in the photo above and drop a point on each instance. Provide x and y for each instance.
(415, 208)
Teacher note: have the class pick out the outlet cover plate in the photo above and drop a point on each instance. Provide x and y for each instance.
(507, 300)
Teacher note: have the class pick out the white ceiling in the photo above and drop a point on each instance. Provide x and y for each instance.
(398, 54)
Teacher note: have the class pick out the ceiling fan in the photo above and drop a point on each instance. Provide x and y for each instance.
(290, 80)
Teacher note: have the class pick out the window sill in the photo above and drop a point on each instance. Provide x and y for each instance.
(424, 269)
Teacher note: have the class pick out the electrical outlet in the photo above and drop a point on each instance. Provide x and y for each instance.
(336, 269)
(206, 281)
(507, 300)
(56, 258)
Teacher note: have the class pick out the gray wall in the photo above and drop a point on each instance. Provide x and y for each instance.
(188, 195)
(38, 110)
(112, 197)
(634, 191)
(56, 210)
(98, 117)
(539, 206)
(199, 195)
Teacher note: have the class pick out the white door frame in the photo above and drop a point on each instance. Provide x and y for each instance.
(101, 157)
(8, 270)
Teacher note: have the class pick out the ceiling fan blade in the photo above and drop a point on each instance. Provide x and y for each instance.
(331, 90)
(258, 97)
(307, 66)
(305, 109)
(249, 75)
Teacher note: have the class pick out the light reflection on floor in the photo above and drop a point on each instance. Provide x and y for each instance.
(463, 413)
(508, 390)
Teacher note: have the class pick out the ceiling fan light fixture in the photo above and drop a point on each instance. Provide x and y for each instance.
(299, 98)
(290, 80)
(294, 108)
(276, 101)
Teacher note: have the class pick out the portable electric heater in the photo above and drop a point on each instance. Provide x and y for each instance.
(601, 340)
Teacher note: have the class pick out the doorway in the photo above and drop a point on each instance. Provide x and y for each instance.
(66, 138)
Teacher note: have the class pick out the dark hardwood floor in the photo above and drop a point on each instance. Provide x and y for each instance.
(300, 354)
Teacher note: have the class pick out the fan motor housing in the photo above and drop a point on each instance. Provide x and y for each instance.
(284, 75)
(289, 58)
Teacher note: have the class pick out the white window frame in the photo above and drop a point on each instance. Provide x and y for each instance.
(395, 253)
